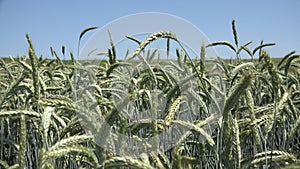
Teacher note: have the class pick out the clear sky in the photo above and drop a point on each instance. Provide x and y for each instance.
(56, 23)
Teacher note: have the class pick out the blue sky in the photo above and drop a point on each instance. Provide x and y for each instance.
(55, 23)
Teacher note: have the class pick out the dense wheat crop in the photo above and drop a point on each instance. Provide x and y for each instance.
(257, 126)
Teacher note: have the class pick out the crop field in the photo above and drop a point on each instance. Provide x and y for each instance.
(218, 113)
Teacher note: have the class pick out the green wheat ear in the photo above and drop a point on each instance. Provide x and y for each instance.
(227, 138)
(151, 38)
(117, 162)
(77, 150)
(172, 111)
(275, 156)
(202, 58)
(238, 91)
(112, 52)
(234, 33)
(35, 73)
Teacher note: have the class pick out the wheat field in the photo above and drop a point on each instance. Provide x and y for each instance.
(44, 113)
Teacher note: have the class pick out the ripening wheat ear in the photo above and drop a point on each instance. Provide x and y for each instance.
(77, 150)
(172, 110)
(227, 138)
(17, 113)
(3, 164)
(70, 141)
(112, 52)
(202, 58)
(236, 143)
(275, 156)
(35, 73)
(116, 162)
(238, 90)
(254, 128)
(234, 33)
(151, 38)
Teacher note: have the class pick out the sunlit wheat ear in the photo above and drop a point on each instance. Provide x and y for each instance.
(275, 78)
(59, 102)
(250, 103)
(241, 67)
(237, 146)
(276, 156)
(172, 110)
(73, 140)
(126, 161)
(77, 150)
(151, 38)
(16, 113)
(35, 73)
(3, 164)
(46, 117)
